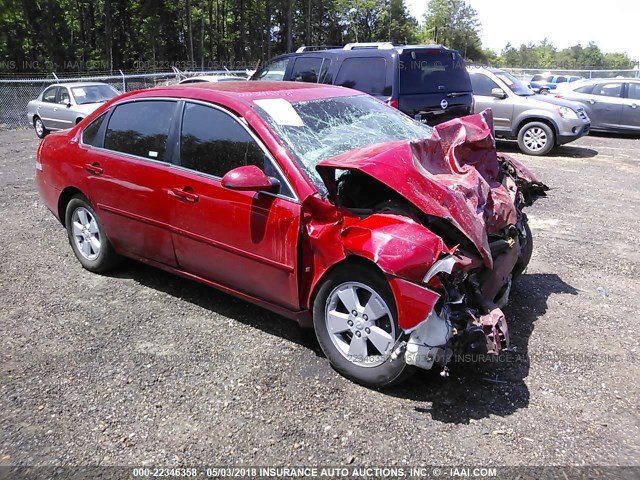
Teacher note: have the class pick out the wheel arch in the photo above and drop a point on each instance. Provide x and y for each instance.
(347, 261)
(64, 199)
(547, 121)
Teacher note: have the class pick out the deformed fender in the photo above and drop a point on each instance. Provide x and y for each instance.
(398, 245)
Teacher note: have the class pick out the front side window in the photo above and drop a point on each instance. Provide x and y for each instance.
(482, 85)
(213, 142)
(608, 89)
(141, 128)
(63, 96)
(49, 95)
(367, 74)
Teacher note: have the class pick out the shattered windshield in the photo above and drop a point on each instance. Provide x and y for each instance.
(319, 129)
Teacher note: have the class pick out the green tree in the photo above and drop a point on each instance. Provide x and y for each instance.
(454, 24)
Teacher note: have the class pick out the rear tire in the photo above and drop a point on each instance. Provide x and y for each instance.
(39, 127)
(355, 319)
(87, 237)
(536, 138)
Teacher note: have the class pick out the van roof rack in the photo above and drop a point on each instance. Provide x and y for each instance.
(372, 45)
(310, 48)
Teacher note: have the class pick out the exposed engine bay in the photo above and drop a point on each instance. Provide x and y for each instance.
(470, 201)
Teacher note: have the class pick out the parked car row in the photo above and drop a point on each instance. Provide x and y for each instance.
(545, 82)
(613, 104)
(538, 122)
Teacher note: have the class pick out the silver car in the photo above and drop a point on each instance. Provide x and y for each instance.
(538, 122)
(613, 104)
(61, 106)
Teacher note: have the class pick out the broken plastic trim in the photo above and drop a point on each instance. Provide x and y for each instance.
(444, 265)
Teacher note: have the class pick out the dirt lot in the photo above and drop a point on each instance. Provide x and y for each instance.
(140, 367)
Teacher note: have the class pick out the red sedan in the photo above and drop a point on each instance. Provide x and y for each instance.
(396, 242)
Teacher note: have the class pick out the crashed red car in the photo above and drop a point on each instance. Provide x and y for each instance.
(398, 243)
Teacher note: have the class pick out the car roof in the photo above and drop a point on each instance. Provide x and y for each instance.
(212, 77)
(366, 51)
(247, 92)
(77, 84)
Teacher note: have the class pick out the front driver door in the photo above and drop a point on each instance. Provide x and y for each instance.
(246, 241)
(502, 107)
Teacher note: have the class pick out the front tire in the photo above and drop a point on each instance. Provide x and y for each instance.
(39, 127)
(536, 138)
(355, 319)
(527, 251)
(87, 237)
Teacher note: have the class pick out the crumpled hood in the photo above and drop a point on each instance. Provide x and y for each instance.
(451, 175)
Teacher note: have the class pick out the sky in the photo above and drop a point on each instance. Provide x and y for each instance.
(612, 24)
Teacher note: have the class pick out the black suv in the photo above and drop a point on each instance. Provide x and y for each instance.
(427, 82)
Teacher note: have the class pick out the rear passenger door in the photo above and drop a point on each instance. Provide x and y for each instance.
(126, 154)
(631, 108)
(45, 107)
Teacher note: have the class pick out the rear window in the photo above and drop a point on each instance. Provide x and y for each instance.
(367, 74)
(433, 71)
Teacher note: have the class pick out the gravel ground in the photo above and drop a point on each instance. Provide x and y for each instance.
(140, 367)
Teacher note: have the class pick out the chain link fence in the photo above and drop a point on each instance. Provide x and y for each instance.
(525, 74)
(15, 93)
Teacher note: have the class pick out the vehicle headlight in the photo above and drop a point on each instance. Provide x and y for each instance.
(566, 112)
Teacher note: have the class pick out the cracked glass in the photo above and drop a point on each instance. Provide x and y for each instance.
(331, 126)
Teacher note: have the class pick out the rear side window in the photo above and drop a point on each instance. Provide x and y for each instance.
(90, 134)
(482, 85)
(140, 128)
(213, 142)
(309, 69)
(367, 74)
(433, 71)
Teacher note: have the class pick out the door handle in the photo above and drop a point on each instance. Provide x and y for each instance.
(633, 105)
(94, 168)
(185, 193)
(592, 102)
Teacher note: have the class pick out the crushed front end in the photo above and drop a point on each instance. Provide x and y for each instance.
(454, 197)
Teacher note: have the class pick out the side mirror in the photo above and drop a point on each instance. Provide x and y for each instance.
(250, 178)
(498, 93)
(68, 104)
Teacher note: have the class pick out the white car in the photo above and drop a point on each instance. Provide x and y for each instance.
(62, 106)
(212, 78)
